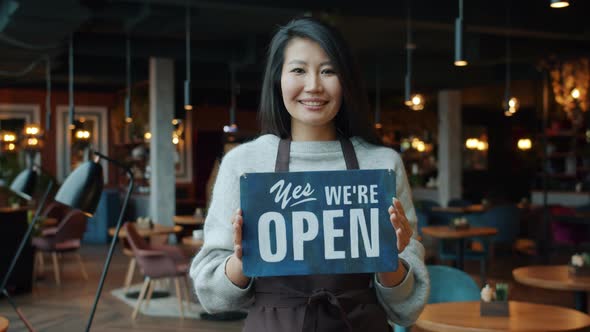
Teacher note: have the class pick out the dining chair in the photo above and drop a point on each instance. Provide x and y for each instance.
(61, 239)
(157, 262)
(448, 284)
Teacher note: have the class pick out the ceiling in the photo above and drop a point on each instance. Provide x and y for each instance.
(237, 32)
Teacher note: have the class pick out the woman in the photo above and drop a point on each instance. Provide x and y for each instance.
(312, 112)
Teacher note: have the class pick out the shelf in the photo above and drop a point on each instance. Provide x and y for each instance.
(563, 134)
(564, 176)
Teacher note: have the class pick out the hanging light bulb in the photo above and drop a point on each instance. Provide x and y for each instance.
(559, 3)
(510, 106)
(187, 83)
(72, 126)
(128, 117)
(416, 103)
(575, 93)
(48, 94)
(460, 60)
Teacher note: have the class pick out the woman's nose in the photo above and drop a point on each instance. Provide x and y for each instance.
(313, 83)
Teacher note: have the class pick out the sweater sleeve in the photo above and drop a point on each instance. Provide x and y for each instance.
(404, 302)
(215, 291)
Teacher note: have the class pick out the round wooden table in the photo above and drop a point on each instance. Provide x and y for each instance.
(555, 277)
(147, 232)
(192, 242)
(474, 208)
(3, 324)
(448, 233)
(189, 219)
(524, 316)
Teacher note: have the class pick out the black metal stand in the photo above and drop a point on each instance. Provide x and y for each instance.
(19, 252)
(115, 237)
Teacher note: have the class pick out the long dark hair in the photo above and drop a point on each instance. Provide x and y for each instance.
(352, 118)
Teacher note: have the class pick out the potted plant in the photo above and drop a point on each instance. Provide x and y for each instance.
(459, 223)
(580, 265)
(494, 302)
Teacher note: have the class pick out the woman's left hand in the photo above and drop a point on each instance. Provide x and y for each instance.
(403, 229)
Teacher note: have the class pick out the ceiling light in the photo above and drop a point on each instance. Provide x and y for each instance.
(128, 117)
(460, 60)
(559, 3)
(187, 83)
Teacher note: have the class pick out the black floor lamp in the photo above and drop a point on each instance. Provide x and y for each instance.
(24, 186)
(81, 190)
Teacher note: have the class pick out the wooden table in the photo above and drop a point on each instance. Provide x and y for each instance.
(474, 208)
(192, 242)
(189, 219)
(524, 316)
(555, 277)
(448, 233)
(4, 324)
(147, 232)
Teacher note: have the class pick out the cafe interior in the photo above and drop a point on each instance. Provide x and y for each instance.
(116, 114)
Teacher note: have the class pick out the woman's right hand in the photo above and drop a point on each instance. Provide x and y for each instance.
(233, 267)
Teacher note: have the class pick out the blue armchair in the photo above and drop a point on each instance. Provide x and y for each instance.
(448, 284)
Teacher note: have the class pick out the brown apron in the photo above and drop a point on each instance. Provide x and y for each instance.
(339, 302)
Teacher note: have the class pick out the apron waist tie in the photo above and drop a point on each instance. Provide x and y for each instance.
(294, 299)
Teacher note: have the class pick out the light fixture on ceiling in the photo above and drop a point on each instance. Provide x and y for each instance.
(378, 124)
(559, 3)
(187, 83)
(415, 102)
(510, 104)
(460, 60)
(47, 93)
(71, 84)
(235, 89)
(128, 116)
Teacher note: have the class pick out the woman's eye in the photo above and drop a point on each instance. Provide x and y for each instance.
(328, 72)
(297, 70)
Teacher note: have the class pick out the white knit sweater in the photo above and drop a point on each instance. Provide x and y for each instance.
(402, 303)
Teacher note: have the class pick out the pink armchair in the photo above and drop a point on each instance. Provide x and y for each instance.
(156, 262)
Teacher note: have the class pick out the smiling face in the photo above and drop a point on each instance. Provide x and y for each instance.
(311, 90)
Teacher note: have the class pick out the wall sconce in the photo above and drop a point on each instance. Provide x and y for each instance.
(8, 141)
(147, 137)
(524, 144)
(82, 135)
(476, 144)
(32, 137)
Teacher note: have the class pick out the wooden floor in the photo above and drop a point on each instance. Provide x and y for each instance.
(66, 308)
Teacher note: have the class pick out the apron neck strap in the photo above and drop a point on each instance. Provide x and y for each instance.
(284, 152)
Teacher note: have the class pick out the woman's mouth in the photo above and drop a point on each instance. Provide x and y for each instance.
(313, 104)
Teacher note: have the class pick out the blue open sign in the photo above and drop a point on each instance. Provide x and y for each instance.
(326, 222)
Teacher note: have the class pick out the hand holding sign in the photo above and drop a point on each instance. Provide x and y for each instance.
(234, 267)
(403, 230)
